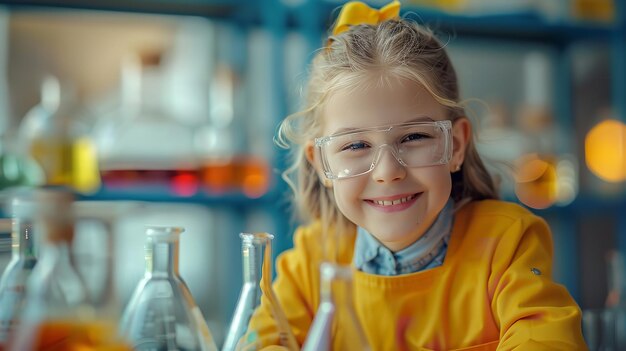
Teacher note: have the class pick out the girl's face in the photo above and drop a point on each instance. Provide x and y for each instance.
(426, 188)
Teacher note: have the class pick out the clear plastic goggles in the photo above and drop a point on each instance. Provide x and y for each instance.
(415, 144)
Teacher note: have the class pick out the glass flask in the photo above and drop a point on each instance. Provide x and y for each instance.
(334, 313)
(57, 313)
(162, 314)
(139, 139)
(257, 271)
(23, 260)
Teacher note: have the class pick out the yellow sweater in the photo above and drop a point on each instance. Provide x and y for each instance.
(493, 292)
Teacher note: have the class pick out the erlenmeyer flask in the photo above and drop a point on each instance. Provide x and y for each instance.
(252, 246)
(57, 315)
(23, 260)
(335, 313)
(256, 255)
(244, 333)
(162, 314)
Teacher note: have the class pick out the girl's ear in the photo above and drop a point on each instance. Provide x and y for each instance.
(461, 134)
(309, 152)
(313, 158)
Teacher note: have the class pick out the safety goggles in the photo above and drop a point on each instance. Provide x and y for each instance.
(415, 144)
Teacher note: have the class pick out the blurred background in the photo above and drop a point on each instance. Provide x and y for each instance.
(175, 103)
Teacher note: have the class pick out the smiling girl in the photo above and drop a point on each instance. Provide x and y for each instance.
(390, 182)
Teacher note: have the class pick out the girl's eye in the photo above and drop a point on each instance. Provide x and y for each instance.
(359, 145)
(414, 137)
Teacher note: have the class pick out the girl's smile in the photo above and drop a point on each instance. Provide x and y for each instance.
(394, 203)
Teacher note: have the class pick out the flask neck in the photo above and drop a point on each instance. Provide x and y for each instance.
(22, 240)
(252, 253)
(336, 284)
(338, 291)
(335, 310)
(162, 257)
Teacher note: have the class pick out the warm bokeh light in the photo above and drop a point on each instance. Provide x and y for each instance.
(185, 184)
(545, 180)
(254, 185)
(219, 175)
(605, 150)
(567, 180)
(536, 181)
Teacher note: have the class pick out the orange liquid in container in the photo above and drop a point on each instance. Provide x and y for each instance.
(246, 174)
(74, 336)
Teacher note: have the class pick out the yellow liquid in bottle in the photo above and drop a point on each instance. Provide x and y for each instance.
(71, 163)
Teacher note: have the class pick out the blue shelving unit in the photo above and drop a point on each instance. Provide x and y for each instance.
(523, 26)
(164, 194)
(618, 69)
(242, 11)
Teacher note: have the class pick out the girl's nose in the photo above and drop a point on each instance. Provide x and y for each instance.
(387, 168)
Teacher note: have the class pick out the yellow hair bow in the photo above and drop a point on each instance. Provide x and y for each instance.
(356, 12)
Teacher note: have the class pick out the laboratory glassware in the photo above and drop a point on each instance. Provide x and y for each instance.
(139, 135)
(334, 313)
(257, 271)
(23, 260)
(162, 314)
(57, 313)
(55, 135)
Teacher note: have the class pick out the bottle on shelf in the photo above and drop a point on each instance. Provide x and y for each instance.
(335, 312)
(59, 312)
(145, 143)
(140, 143)
(23, 260)
(54, 135)
(162, 314)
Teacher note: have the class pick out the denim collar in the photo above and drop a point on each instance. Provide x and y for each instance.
(428, 251)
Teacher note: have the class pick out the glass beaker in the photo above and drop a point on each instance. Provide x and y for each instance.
(23, 260)
(335, 313)
(162, 314)
(57, 314)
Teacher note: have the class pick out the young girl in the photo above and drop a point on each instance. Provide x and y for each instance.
(390, 179)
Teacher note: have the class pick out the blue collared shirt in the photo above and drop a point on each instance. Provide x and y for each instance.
(429, 251)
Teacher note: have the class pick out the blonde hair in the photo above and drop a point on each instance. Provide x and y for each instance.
(398, 48)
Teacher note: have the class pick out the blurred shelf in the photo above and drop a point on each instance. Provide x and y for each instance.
(526, 27)
(586, 204)
(165, 194)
